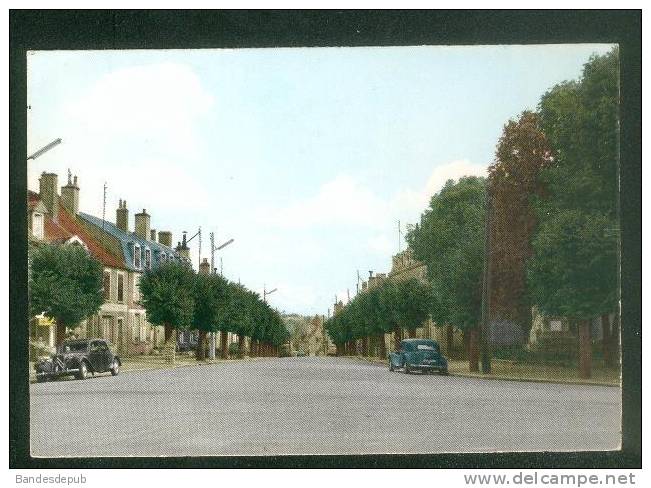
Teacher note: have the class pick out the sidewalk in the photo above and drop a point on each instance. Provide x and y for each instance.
(513, 371)
(145, 363)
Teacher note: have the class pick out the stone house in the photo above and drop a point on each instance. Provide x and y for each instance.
(124, 255)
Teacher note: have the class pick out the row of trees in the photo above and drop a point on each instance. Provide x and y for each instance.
(178, 298)
(65, 283)
(552, 235)
(389, 307)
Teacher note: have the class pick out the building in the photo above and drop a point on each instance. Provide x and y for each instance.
(125, 255)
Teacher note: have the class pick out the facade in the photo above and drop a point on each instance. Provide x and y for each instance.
(124, 255)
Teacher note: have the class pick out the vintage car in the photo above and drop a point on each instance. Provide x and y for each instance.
(422, 355)
(78, 358)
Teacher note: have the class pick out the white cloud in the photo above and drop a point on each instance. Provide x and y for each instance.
(344, 201)
(341, 201)
(134, 128)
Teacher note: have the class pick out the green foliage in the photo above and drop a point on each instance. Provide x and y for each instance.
(212, 297)
(381, 309)
(450, 241)
(573, 271)
(65, 283)
(168, 295)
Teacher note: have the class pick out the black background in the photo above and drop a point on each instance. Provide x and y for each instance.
(144, 29)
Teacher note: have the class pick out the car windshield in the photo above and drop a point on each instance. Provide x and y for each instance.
(426, 347)
(73, 347)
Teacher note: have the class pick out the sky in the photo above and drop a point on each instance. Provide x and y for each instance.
(306, 157)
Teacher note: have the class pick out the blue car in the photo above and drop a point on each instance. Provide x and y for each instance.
(422, 355)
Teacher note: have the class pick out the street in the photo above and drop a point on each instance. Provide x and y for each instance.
(314, 405)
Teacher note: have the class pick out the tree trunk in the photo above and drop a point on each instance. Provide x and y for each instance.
(466, 343)
(241, 345)
(224, 344)
(169, 348)
(397, 338)
(338, 350)
(606, 340)
(473, 349)
(449, 340)
(383, 347)
(585, 350)
(365, 346)
(168, 331)
(60, 333)
(212, 346)
(411, 333)
(201, 346)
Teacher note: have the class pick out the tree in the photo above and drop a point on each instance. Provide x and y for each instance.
(574, 267)
(522, 152)
(168, 296)
(211, 301)
(65, 285)
(449, 240)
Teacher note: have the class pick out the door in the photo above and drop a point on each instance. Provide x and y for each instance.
(96, 356)
(107, 356)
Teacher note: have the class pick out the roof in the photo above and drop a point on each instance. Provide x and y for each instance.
(127, 241)
(66, 226)
(96, 247)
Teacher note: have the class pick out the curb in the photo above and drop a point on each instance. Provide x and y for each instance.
(506, 378)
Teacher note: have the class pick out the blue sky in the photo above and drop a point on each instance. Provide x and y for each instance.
(306, 157)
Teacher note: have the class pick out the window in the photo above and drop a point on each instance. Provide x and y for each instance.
(120, 287)
(136, 287)
(148, 258)
(107, 285)
(136, 257)
(143, 329)
(135, 329)
(37, 225)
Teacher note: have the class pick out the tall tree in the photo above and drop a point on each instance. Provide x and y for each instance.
(449, 240)
(521, 153)
(574, 269)
(211, 301)
(65, 285)
(167, 295)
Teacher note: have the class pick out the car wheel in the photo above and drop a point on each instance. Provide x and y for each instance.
(83, 371)
(407, 370)
(391, 368)
(115, 367)
(41, 379)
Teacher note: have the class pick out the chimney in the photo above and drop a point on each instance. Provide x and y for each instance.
(122, 216)
(142, 224)
(183, 249)
(152, 235)
(204, 267)
(70, 195)
(165, 238)
(48, 185)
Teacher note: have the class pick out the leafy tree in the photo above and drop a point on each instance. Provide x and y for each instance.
(449, 240)
(522, 151)
(574, 268)
(168, 296)
(211, 301)
(65, 284)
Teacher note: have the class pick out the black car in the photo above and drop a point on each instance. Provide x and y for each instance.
(78, 358)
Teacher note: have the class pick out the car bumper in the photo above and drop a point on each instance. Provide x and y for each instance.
(429, 367)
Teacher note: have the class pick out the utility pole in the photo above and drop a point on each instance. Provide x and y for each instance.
(484, 336)
(213, 338)
(399, 236)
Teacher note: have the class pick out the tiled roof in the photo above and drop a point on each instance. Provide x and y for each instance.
(128, 241)
(96, 247)
(55, 232)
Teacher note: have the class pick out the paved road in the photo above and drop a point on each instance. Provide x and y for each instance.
(313, 406)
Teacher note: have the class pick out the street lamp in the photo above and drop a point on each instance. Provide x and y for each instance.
(45, 149)
(265, 293)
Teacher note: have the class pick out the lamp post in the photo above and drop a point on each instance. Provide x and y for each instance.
(45, 149)
(265, 293)
(213, 248)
